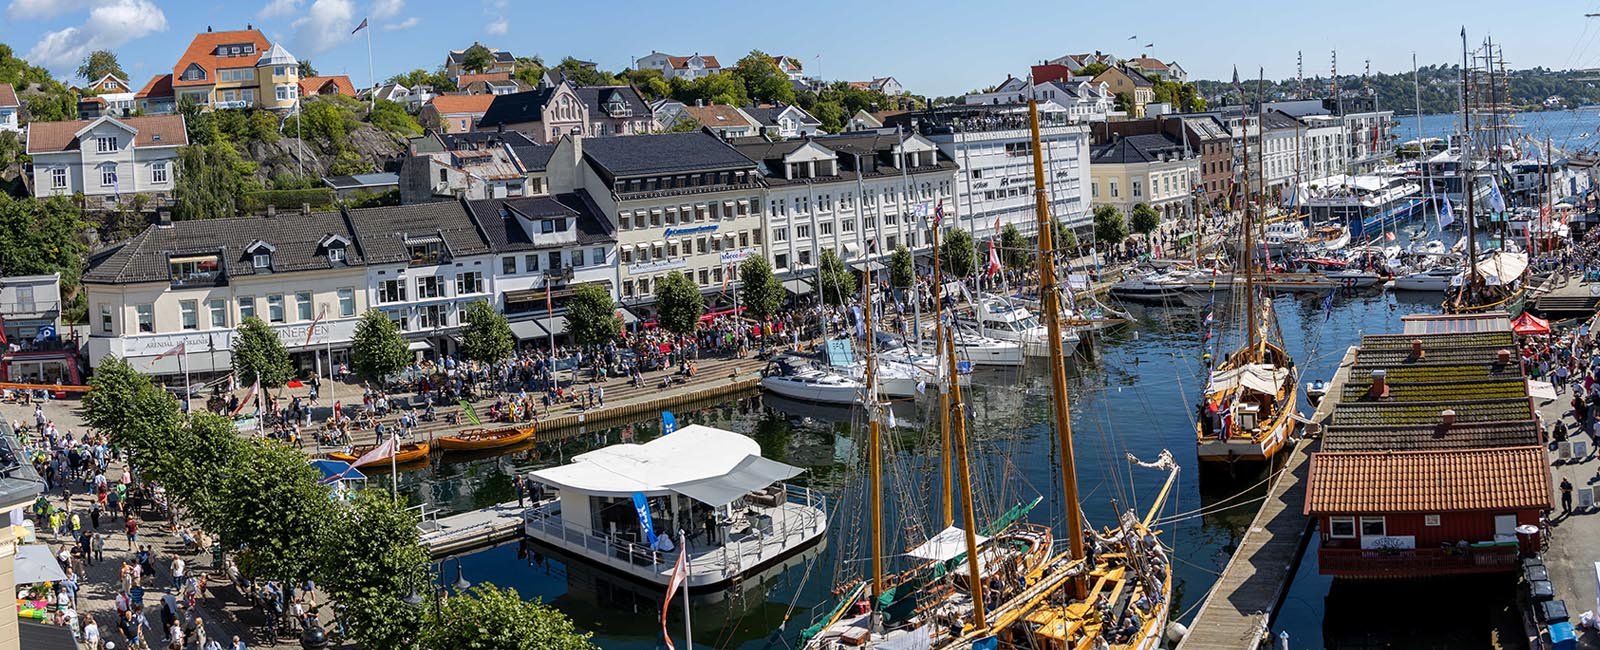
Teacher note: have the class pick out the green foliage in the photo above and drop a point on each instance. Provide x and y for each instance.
(763, 81)
(438, 79)
(1145, 218)
(349, 163)
(529, 70)
(838, 284)
(193, 458)
(378, 349)
(48, 101)
(583, 75)
(39, 236)
(477, 58)
(1014, 247)
(392, 118)
(259, 354)
(295, 182)
(12, 152)
(210, 181)
(270, 509)
(129, 409)
(831, 115)
(487, 338)
(901, 270)
(365, 199)
(718, 88)
(489, 617)
(760, 292)
(1109, 226)
(1182, 96)
(369, 559)
(326, 120)
(959, 253)
(649, 82)
(291, 200)
(238, 127)
(679, 303)
(592, 315)
(306, 69)
(1062, 237)
(685, 124)
(1092, 70)
(1122, 102)
(100, 63)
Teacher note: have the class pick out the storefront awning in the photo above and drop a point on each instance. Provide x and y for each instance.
(752, 473)
(554, 324)
(416, 346)
(798, 287)
(524, 295)
(33, 564)
(528, 329)
(874, 265)
(628, 317)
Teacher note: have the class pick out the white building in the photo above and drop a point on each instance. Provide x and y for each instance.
(107, 159)
(993, 146)
(1081, 100)
(10, 109)
(673, 67)
(547, 247)
(860, 195)
(784, 121)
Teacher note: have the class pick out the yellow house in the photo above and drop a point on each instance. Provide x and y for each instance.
(231, 69)
(1154, 169)
(1120, 80)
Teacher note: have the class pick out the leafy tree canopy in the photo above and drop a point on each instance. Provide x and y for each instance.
(270, 509)
(369, 560)
(100, 63)
(477, 58)
(258, 353)
(679, 303)
(592, 315)
(1145, 219)
(763, 81)
(1015, 247)
(39, 236)
(489, 617)
(901, 270)
(838, 284)
(760, 292)
(1109, 226)
(306, 69)
(378, 349)
(959, 253)
(488, 338)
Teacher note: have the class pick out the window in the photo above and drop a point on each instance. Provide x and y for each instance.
(219, 313)
(627, 288)
(597, 256)
(1342, 527)
(189, 314)
(302, 303)
(1113, 185)
(58, 178)
(1138, 189)
(469, 282)
(275, 308)
(802, 231)
(532, 262)
(705, 277)
(426, 252)
(805, 258)
(825, 227)
(105, 144)
(780, 261)
(105, 319)
(625, 221)
(435, 316)
(261, 260)
(1430, 520)
(147, 318)
(108, 175)
(1372, 527)
(247, 307)
(429, 287)
(780, 234)
(392, 291)
(508, 265)
(555, 260)
(158, 172)
(336, 254)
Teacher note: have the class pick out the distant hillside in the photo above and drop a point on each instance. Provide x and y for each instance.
(1439, 84)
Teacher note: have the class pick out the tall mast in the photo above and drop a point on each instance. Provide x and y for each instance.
(1246, 223)
(1467, 171)
(1048, 290)
(874, 440)
(945, 486)
(968, 517)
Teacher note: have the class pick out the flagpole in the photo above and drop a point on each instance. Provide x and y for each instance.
(688, 632)
(184, 362)
(372, 82)
(394, 473)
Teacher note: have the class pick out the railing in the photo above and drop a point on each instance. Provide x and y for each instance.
(1413, 562)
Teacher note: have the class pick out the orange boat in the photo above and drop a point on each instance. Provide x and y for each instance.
(409, 453)
(478, 439)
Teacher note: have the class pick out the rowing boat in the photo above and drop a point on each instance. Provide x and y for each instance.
(409, 453)
(476, 439)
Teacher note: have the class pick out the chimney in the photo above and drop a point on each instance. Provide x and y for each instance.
(1416, 349)
(208, 29)
(699, 103)
(1447, 419)
(1380, 385)
(272, 210)
(163, 218)
(305, 209)
(248, 27)
(1505, 356)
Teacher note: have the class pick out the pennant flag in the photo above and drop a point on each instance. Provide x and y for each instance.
(861, 323)
(360, 27)
(993, 267)
(669, 422)
(377, 453)
(922, 387)
(891, 418)
(180, 348)
(313, 329)
(641, 506)
(1389, 235)
(251, 395)
(1327, 307)
(680, 572)
(1446, 215)
(1210, 317)
(938, 214)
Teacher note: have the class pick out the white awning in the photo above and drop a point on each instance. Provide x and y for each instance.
(555, 324)
(528, 329)
(690, 454)
(416, 346)
(1503, 268)
(752, 473)
(798, 286)
(949, 543)
(1260, 378)
(34, 563)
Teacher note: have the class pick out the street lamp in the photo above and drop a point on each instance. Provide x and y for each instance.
(461, 585)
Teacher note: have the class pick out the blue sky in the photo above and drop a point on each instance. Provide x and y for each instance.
(933, 47)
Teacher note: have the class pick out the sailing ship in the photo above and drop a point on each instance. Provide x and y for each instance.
(1003, 586)
(1248, 409)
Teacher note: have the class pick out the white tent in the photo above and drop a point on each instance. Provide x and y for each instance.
(949, 543)
(34, 564)
(1260, 378)
(706, 464)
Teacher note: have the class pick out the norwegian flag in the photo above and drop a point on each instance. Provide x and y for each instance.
(248, 397)
(180, 348)
(938, 214)
(313, 329)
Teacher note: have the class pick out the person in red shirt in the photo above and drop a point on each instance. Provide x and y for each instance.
(133, 532)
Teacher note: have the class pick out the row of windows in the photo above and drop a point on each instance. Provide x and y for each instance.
(108, 175)
(665, 250)
(654, 183)
(237, 74)
(826, 202)
(430, 286)
(780, 261)
(217, 309)
(682, 214)
(706, 277)
(531, 261)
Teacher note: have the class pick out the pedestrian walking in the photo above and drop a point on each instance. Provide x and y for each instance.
(1566, 497)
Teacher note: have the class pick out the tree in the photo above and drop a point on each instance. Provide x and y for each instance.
(1109, 227)
(837, 283)
(529, 70)
(393, 118)
(1091, 70)
(437, 79)
(477, 58)
(1015, 247)
(487, 338)
(259, 354)
(760, 292)
(685, 124)
(369, 560)
(679, 303)
(1063, 237)
(1122, 102)
(831, 114)
(209, 181)
(193, 457)
(901, 271)
(650, 83)
(100, 63)
(490, 617)
(1145, 218)
(378, 349)
(40, 236)
(763, 81)
(959, 253)
(129, 409)
(306, 69)
(718, 88)
(592, 315)
(583, 73)
(270, 509)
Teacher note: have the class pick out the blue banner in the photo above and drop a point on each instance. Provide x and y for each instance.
(986, 643)
(669, 422)
(641, 506)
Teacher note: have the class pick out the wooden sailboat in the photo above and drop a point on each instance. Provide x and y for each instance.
(1248, 408)
(484, 438)
(410, 452)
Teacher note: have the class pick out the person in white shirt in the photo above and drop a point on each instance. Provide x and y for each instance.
(91, 633)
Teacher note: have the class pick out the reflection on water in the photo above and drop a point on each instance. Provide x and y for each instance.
(1133, 389)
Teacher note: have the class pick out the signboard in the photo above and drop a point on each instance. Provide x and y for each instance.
(691, 230)
(658, 265)
(293, 337)
(735, 257)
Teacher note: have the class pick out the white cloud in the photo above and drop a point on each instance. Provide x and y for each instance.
(110, 24)
(500, 25)
(498, 28)
(326, 24)
(382, 9)
(278, 8)
(404, 24)
(31, 9)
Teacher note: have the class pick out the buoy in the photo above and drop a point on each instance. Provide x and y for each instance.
(1176, 632)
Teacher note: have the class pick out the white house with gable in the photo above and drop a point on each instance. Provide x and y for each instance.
(106, 159)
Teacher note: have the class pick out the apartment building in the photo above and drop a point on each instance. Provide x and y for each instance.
(1155, 169)
(228, 69)
(548, 247)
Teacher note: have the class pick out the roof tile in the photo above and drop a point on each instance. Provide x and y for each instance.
(153, 131)
(1499, 479)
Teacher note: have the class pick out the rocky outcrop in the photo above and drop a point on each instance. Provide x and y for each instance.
(371, 145)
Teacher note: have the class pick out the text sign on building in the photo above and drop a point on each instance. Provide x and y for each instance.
(658, 265)
(692, 230)
(735, 257)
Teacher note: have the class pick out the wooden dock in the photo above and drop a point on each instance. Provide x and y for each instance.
(472, 529)
(1239, 609)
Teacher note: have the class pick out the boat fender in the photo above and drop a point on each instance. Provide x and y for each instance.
(1176, 632)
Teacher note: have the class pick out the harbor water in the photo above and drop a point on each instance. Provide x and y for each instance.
(1571, 130)
(1133, 390)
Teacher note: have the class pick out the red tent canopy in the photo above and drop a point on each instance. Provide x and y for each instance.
(1528, 324)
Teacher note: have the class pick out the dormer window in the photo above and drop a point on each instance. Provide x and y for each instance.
(193, 73)
(425, 250)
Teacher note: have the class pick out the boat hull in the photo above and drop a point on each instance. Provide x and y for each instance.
(810, 392)
(469, 443)
(408, 453)
(1258, 448)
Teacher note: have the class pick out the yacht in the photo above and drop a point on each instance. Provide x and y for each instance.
(1438, 278)
(1365, 204)
(800, 379)
(1003, 320)
(1284, 233)
(972, 347)
(1153, 286)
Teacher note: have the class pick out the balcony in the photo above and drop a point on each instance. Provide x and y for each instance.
(1413, 563)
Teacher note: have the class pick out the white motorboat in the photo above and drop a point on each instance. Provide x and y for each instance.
(985, 351)
(901, 379)
(802, 380)
(1005, 321)
(1430, 247)
(1354, 278)
(1284, 233)
(1150, 286)
(1439, 278)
